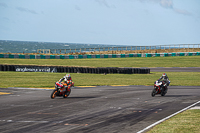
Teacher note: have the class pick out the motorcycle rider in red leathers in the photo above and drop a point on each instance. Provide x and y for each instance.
(68, 80)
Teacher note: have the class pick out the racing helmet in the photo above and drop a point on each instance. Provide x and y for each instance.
(68, 76)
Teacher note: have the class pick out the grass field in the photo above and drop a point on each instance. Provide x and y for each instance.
(185, 122)
(183, 61)
(39, 79)
(31, 79)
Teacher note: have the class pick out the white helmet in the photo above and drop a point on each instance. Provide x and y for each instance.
(68, 76)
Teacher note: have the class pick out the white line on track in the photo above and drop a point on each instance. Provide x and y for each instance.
(167, 118)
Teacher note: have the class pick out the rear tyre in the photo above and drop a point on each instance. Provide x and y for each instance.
(153, 93)
(66, 94)
(53, 94)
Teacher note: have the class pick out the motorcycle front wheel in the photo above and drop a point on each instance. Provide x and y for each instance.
(163, 92)
(153, 93)
(53, 94)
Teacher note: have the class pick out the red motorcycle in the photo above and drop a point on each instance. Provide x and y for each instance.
(160, 87)
(60, 90)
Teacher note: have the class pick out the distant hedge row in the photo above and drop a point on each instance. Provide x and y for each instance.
(66, 69)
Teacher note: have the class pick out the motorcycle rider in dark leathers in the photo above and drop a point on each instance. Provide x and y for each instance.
(165, 79)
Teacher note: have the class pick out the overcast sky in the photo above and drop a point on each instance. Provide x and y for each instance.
(123, 22)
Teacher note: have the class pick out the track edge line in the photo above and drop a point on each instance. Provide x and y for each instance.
(158, 122)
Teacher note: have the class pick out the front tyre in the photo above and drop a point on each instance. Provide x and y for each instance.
(53, 94)
(153, 93)
(164, 91)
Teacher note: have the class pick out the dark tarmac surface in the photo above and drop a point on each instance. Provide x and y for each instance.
(104, 109)
(175, 69)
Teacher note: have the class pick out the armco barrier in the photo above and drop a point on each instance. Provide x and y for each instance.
(97, 56)
(66, 69)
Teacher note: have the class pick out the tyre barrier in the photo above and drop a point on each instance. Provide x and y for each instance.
(67, 69)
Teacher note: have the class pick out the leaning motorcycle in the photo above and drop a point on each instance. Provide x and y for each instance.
(60, 90)
(160, 87)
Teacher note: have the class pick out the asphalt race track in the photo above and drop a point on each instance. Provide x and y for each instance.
(175, 69)
(103, 109)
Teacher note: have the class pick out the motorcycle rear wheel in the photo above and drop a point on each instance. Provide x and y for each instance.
(66, 94)
(53, 94)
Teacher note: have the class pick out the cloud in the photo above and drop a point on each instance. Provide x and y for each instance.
(184, 12)
(104, 3)
(163, 3)
(168, 4)
(77, 8)
(3, 5)
(26, 10)
(6, 19)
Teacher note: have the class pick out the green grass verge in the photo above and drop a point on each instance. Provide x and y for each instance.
(179, 61)
(39, 79)
(185, 122)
